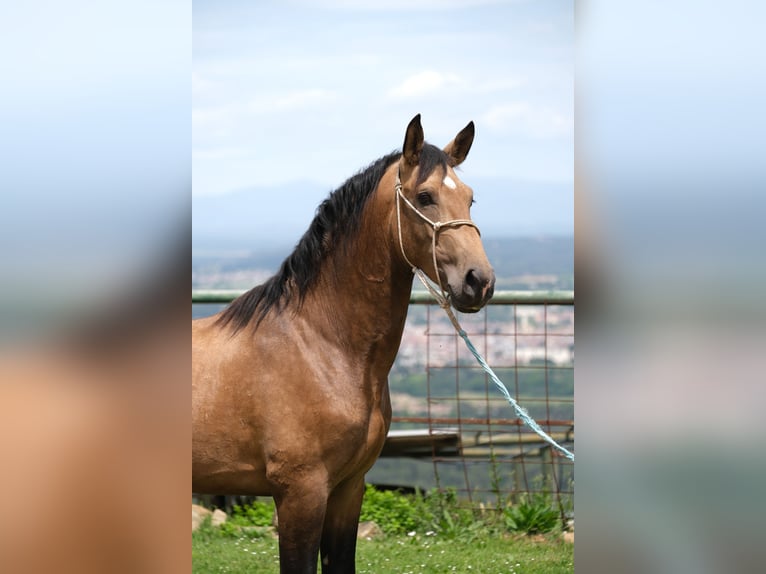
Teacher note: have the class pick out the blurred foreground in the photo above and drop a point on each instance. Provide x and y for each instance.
(670, 275)
(94, 439)
(94, 252)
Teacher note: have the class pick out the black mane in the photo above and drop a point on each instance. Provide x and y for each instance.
(337, 219)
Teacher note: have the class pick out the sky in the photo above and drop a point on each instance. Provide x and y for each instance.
(294, 90)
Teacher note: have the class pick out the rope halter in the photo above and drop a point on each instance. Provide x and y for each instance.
(441, 296)
(443, 299)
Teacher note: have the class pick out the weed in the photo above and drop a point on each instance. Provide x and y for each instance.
(250, 520)
(440, 512)
(393, 512)
(255, 514)
(532, 516)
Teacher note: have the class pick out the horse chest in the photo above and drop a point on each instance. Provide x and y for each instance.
(361, 444)
(360, 427)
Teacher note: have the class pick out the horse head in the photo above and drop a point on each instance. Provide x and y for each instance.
(435, 230)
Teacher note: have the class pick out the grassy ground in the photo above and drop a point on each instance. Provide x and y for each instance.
(399, 554)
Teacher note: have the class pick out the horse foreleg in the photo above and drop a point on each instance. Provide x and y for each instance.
(340, 526)
(300, 511)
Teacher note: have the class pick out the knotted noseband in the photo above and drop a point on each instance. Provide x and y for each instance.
(442, 297)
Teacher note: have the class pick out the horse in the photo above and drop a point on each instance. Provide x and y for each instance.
(290, 394)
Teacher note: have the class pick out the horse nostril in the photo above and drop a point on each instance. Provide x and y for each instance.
(491, 287)
(474, 283)
(479, 285)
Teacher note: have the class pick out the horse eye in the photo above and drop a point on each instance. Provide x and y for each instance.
(473, 201)
(424, 198)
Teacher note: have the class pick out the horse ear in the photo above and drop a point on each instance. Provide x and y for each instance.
(458, 148)
(413, 142)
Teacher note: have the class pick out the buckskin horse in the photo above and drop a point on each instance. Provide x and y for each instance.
(290, 393)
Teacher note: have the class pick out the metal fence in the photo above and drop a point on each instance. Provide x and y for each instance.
(451, 428)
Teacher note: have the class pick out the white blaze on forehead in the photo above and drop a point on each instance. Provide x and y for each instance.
(449, 182)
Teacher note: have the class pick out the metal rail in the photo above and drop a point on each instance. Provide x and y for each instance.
(418, 297)
(479, 445)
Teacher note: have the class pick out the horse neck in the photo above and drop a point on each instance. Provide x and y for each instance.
(364, 287)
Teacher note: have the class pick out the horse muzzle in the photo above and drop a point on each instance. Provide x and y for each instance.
(477, 288)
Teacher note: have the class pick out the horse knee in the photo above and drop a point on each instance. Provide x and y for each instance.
(300, 495)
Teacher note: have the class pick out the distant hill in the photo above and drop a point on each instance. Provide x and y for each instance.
(512, 258)
(251, 219)
(274, 218)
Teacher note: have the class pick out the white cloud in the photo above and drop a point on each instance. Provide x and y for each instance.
(291, 101)
(424, 83)
(429, 82)
(221, 117)
(210, 115)
(505, 84)
(304, 99)
(200, 84)
(526, 119)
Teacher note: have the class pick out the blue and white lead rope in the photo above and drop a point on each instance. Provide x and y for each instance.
(444, 303)
(520, 411)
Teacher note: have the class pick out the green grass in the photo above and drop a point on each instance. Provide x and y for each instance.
(426, 532)
(398, 554)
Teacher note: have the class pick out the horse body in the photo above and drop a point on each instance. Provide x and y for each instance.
(295, 402)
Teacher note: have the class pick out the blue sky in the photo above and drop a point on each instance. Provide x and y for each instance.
(313, 91)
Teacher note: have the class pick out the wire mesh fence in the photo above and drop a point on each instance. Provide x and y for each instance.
(470, 439)
(451, 428)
